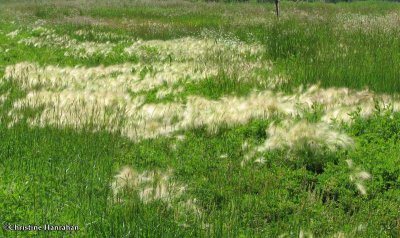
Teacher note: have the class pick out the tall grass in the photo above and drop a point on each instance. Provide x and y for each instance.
(59, 175)
(320, 51)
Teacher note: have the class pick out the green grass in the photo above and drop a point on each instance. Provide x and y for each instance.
(62, 176)
(315, 52)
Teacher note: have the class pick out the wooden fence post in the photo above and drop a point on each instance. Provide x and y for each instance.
(277, 8)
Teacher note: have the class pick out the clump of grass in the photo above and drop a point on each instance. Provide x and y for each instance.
(302, 135)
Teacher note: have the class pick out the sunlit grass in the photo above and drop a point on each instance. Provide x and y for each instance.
(255, 149)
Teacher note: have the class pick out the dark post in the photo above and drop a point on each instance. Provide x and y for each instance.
(277, 8)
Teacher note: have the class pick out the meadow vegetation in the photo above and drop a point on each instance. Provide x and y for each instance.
(194, 119)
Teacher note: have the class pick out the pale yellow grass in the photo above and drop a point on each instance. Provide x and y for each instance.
(102, 97)
(151, 186)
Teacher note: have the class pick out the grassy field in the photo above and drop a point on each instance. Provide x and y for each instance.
(192, 119)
